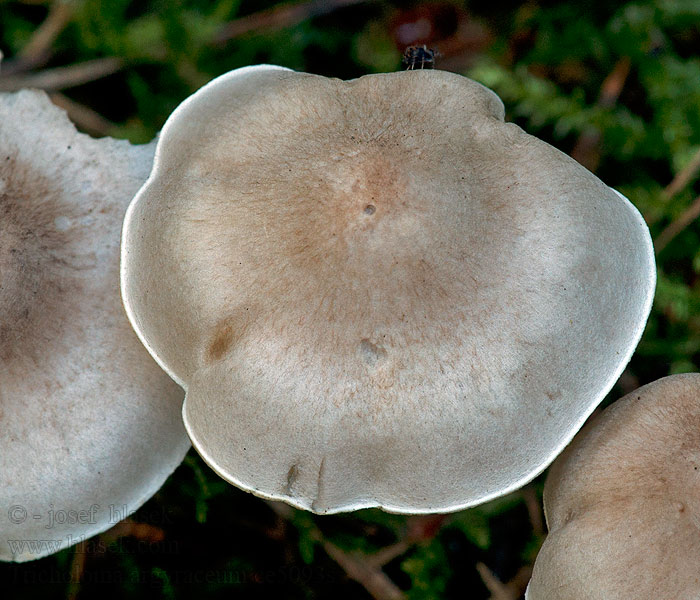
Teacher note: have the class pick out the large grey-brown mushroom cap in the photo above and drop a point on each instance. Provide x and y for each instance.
(376, 292)
(623, 502)
(90, 426)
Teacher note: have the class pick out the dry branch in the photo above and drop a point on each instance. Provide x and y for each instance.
(684, 177)
(587, 148)
(37, 50)
(498, 590)
(61, 78)
(374, 580)
(280, 17)
(84, 117)
(675, 227)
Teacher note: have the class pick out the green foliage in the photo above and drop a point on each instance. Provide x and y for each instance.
(308, 537)
(475, 522)
(203, 489)
(427, 568)
(167, 589)
(375, 49)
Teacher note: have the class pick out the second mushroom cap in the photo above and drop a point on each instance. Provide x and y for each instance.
(376, 292)
(623, 502)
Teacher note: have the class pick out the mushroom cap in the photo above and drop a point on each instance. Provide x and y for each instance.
(375, 292)
(623, 502)
(90, 426)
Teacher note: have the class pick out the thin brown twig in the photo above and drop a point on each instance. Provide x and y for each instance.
(280, 17)
(424, 527)
(498, 590)
(421, 528)
(385, 555)
(628, 382)
(61, 78)
(612, 85)
(683, 177)
(534, 509)
(675, 227)
(127, 528)
(77, 570)
(518, 584)
(357, 567)
(281, 509)
(84, 117)
(374, 580)
(37, 50)
(587, 148)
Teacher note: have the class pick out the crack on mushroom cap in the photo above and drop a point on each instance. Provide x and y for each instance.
(292, 476)
(317, 501)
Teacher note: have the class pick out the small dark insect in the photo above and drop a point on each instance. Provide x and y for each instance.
(419, 57)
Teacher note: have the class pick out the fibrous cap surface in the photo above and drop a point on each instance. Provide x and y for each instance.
(89, 425)
(376, 292)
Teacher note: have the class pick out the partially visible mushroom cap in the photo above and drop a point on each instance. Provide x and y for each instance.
(376, 292)
(90, 426)
(623, 502)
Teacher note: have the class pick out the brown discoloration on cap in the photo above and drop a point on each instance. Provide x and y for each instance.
(38, 260)
(222, 342)
(228, 332)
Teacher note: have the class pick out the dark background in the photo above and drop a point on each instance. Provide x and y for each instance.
(614, 84)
